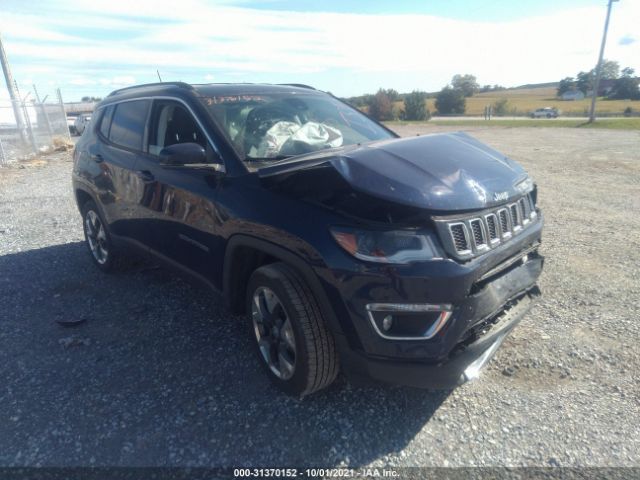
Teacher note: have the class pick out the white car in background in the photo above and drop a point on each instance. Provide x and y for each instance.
(81, 122)
(71, 124)
(546, 112)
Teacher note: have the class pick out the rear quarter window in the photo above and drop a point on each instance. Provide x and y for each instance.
(128, 123)
(105, 121)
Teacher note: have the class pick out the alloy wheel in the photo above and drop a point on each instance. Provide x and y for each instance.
(274, 333)
(96, 237)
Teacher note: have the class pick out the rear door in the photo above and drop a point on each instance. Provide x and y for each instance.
(181, 199)
(121, 137)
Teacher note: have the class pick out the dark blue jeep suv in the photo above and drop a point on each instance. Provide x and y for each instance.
(405, 260)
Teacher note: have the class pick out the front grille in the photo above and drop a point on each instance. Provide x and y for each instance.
(505, 223)
(460, 237)
(479, 237)
(525, 209)
(471, 235)
(492, 225)
(516, 219)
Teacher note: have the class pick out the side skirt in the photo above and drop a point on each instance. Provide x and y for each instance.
(142, 249)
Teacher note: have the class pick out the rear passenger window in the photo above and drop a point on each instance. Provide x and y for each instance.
(127, 126)
(105, 121)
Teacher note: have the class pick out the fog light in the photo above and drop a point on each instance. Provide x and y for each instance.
(408, 321)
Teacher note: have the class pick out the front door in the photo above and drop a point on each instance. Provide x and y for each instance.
(180, 199)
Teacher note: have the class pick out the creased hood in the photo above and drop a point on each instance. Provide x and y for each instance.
(445, 172)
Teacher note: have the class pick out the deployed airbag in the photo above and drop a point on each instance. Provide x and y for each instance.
(282, 137)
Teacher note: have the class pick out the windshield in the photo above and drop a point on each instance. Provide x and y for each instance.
(273, 126)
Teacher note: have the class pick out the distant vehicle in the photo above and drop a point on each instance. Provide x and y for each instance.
(71, 124)
(81, 122)
(546, 112)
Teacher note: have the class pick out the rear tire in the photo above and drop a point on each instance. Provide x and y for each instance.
(292, 340)
(99, 242)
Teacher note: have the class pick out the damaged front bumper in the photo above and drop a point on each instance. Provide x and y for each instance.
(485, 305)
(463, 364)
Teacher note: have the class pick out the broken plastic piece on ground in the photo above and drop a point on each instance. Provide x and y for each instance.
(71, 322)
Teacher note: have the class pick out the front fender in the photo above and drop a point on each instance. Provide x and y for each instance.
(301, 257)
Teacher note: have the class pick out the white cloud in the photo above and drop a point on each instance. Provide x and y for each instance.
(627, 40)
(422, 51)
(120, 81)
(82, 81)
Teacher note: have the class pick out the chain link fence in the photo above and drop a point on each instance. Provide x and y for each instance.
(41, 128)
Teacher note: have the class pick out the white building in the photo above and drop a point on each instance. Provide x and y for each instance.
(573, 95)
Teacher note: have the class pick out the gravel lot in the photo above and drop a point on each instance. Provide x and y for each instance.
(161, 374)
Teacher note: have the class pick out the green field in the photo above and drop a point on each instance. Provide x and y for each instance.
(609, 123)
(524, 100)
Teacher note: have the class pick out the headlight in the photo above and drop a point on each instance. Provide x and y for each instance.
(398, 246)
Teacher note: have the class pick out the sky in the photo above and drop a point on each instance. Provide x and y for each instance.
(348, 47)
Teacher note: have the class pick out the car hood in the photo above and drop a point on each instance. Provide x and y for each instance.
(451, 171)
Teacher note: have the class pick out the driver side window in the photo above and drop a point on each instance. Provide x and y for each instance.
(171, 123)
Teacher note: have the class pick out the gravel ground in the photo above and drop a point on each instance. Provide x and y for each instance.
(159, 373)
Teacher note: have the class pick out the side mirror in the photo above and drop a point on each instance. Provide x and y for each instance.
(183, 154)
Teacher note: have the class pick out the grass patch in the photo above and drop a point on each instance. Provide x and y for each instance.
(609, 123)
(526, 100)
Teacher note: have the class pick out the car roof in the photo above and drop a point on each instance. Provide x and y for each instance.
(250, 88)
(205, 90)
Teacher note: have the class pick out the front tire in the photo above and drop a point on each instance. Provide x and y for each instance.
(292, 340)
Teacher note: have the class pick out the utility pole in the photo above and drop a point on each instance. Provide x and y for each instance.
(596, 84)
(15, 99)
(63, 112)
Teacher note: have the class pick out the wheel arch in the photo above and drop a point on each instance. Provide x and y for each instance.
(244, 254)
(82, 196)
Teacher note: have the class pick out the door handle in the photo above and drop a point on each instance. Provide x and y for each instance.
(145, 175)
(96, 157)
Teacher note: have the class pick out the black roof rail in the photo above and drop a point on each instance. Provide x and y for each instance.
(157, 84)
(299, 85)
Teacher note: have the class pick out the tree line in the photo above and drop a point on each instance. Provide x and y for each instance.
(388, 104)
(625, 85)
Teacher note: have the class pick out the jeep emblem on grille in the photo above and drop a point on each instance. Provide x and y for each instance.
(497, 196)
